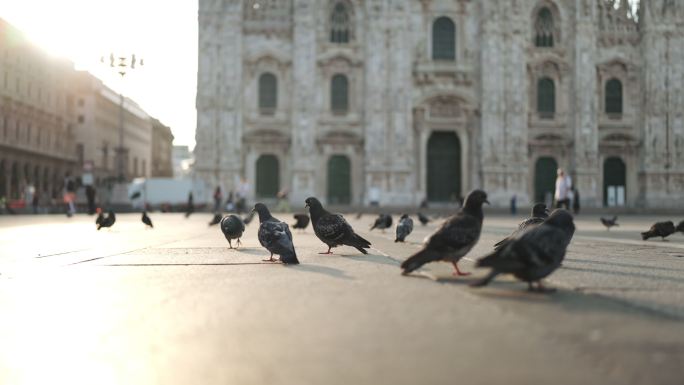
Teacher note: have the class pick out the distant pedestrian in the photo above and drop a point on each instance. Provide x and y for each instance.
(374, 196)
(191, 205)
(218, 198)
(563, 192)
(575, 201)
(90, 195)
(29, 191)
(514, 204)
(35, 201)
(230, 204)
(242, 193)
(69, 194)
(283, 205)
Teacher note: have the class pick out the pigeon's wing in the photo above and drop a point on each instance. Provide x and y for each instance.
(457, 232)
(333, 228)
(529, 223)
(538, 247)
(275, 236)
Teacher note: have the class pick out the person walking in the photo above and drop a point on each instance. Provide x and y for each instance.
(69, 194)
(242, 192)
(563, 192)
(218, 198)
(90, 195)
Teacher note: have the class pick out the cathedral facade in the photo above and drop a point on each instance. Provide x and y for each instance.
(398, 101)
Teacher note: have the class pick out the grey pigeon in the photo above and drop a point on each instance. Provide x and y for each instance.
(382, 222)
(534, 254)
(275, 236)
(333, 229)
(539, 214)
(302, 221)
(404, 228)
(232, 227)
(423, 219)
(608, 222)
(454, 238)
(216, 219)
(108, 221)
(146, 220)
(680, 227)
(659, 229)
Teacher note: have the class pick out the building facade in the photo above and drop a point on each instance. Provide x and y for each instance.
(37, 118)
(162, 148)
(98, 132)
(406, 100)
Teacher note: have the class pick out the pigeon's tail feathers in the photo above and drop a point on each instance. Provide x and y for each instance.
(359, 243)
(418, 259)
(485, 280)
(289, 258)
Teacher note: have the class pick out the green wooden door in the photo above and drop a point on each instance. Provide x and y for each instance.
(267, 176)
(339, 180)
(614, 182)
(544, 179)
(443, 167)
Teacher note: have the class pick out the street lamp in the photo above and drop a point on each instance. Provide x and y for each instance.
(122, 64)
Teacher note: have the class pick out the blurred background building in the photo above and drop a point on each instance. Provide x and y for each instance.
(37, 117)
(407, 100)
(56, 120)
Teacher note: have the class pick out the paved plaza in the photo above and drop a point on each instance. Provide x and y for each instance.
(174, 305)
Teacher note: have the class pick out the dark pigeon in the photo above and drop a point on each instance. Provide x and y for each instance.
(135, 195)
(382, 222)
(680, 227)
(216, 219)
(100, 218)
(539, 214)
(108, 221)
(454, 238)
(534, 254)
(333, 229)
(404, 228)
(146, 220)
(232, 227)
(275, 236)
(302, 221)
(660, 229)
(608, 222)
(423, 219)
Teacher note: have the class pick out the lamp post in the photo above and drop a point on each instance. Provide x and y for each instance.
(122, 64)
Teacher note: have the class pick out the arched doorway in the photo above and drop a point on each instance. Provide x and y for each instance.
(339, 180)
(267, 176)
(614, 182)
(443, 167)
(545, 180)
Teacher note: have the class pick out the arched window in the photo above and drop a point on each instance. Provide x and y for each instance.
(268, 93)
(339, 94)
(546, 98)
(443, 39)
(340, 23)
(613, 96)
(544, 28)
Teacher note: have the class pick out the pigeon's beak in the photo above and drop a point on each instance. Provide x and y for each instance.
(306, 206)
(546, 211)
(486, 201)
(253, 210)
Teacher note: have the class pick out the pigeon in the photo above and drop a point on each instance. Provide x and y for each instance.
(100, 218)
(108, 221)
(382, 222)
(216, 219)
(539, 214)
(146, 220)
(359, 215)
(302, 221)
(404, 228)
(248, 218)
(533, 254)
(275, 236)
(660, 229)
(680, 227)
(135, 195)
(609, 222)
(232, 227)
(333, 229)
(423, 219)
(454, 238)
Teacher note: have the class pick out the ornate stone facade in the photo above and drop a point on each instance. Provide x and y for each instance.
(432, 98)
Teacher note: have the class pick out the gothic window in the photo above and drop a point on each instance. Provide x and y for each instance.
(268, 93)
(340, 23)
(546, 98)
(544, 28)
(443, 39)
(339, 94)
(613, 97)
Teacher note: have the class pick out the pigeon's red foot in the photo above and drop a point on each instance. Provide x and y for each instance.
(269, 260)
(458, 272)
(326, 252)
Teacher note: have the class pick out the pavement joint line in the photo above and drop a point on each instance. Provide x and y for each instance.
(190, 264)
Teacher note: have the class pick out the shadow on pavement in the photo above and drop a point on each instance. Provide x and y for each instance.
(329, 271)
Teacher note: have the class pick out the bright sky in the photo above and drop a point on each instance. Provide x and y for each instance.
(162, 32)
